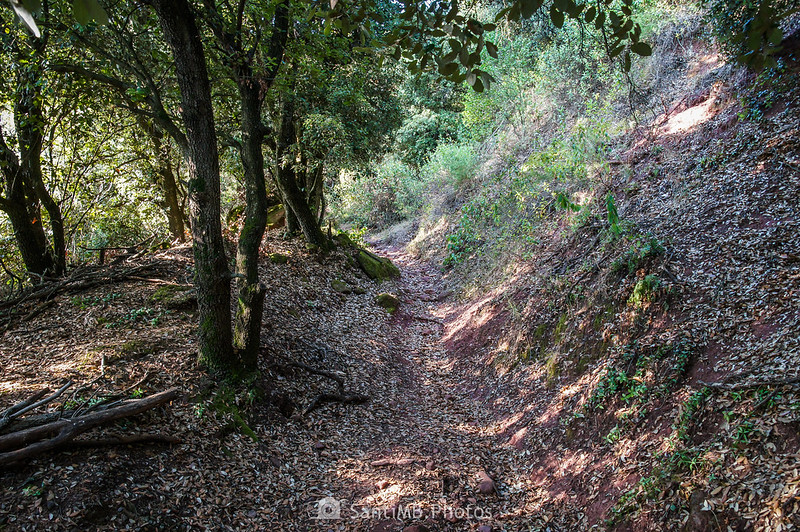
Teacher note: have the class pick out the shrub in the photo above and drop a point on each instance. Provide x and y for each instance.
(391, 195)
(422, 133)
(453, 163)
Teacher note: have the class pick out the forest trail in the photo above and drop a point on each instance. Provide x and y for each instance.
(428, 445)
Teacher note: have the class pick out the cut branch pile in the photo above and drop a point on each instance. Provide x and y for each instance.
(29, 442)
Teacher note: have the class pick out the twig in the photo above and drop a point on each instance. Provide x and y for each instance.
(355, 398)
(747, 386)
(127, 440)
(44, 401)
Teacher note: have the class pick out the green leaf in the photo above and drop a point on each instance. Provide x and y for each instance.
(590, 14)
(626, 64)
(448, 69)
(85, 11)
(775, 36)
(600, 20)
(33, 6)
(491, 49)
(80, 12)
(642, 48)
(528, 8)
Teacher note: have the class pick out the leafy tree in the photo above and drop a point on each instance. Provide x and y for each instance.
(23, 193)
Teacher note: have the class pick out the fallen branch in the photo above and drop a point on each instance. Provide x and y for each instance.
(747, 386)
(30, 404)
(340, 397)
(28, 443)
(127, 440)
(347, 399)
(322, 373)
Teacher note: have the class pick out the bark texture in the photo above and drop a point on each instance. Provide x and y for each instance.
(212, 273)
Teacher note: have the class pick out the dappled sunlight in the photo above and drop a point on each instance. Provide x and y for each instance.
(690, 119)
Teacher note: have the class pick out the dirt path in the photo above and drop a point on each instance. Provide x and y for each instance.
(424, 462)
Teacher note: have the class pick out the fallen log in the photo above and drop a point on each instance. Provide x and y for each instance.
(32, 442)
(30, 404)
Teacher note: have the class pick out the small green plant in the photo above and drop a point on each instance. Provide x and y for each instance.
(645, 291)
(32, 491)
(641, 249)
(612, 215)
(613, 435)
(744, 432)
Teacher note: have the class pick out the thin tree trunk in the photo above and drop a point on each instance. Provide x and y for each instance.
(169, 185)
(287, 180)
(247, 328)
(212, 273)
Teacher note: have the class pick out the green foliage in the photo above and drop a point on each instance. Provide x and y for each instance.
(422, 132)
(612, 216)
(769, 85)
(749, 29)
(642, 248)
(642, 373)
(451, 163)
(645, 291)
(392, 194)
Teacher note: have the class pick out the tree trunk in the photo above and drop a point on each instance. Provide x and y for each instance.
(287, 180)
(247, 331)
(30, 122)
(169, 185)
(212, 273)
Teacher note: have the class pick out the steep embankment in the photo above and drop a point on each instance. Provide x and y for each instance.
(651, 377)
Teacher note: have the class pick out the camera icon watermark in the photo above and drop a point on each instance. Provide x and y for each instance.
(328, 508)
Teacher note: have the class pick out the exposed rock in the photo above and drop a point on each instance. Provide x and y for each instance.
(276, 217)
(175, 297)
(387, 301)
(278, 258)
(377, 268)
(484, 528)
(416, 528)
(343, 239)
(486, 484)
(341, 286)
(319, 446)
(383, 484)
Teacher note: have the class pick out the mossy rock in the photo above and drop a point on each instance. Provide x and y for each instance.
(377, 268)
(341, 286)
(343, 239)
(276, 217)
(176, 297)
(387, 301)
(358, 290)
(278, 258)
(133, 349)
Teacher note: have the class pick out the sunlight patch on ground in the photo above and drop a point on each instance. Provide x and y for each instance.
(689, 119)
